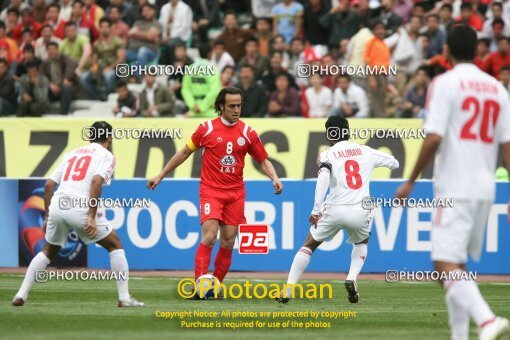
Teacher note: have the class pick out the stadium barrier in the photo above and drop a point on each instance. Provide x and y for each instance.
(165, 235)
(33, 147)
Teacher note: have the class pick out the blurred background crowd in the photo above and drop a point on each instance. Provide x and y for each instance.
(56, 55)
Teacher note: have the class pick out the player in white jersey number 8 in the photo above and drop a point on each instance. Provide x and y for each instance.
(345, 168)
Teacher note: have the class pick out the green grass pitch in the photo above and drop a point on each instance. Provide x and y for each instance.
(78, 309)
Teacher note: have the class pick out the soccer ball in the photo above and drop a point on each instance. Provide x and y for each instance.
(208, 287)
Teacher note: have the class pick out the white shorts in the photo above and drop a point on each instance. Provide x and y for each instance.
(459, 231)
(62, 221)
(351, 217)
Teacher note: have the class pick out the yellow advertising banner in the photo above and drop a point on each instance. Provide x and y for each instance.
(33, 147)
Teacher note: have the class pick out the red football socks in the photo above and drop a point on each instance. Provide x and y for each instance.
(222, 263)
(202, 260)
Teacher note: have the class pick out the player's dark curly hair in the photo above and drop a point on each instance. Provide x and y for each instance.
(337, 128)
(102, 131)
(220, 99)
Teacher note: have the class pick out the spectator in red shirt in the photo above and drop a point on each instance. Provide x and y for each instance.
(52, 19)
(93, 12)
(439, 63)
(482, 51)
(12, 20)
(330, 80)
(84, 25)
(496, 60)
(504, 77)
(39, 11)
(27, 22)
(119, 28)
(469, 17)
(27, 39)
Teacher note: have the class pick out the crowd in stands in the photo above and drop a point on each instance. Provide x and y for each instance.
(57, 51)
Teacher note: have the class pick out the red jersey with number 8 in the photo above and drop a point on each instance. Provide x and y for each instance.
(224, 147)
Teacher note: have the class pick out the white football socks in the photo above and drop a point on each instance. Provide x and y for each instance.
(301, 261)
(119, 266)
(358, 256)
(466, 295)
(38, 263)
(458, 319)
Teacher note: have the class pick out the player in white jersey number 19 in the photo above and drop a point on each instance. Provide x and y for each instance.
(345, 168)
(80, 177)
(467, 120)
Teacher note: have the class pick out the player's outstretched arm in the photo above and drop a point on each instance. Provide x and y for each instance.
(320, 192)
(172, 164)
(49, 189)
(428, 150)
(270, 172)
(384, 160)
(95, 191)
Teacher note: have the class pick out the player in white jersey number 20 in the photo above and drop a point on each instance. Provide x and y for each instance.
(345, 168)
(80, 177)
(468, 118)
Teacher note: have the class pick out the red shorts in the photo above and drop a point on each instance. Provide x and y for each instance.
(225, 206)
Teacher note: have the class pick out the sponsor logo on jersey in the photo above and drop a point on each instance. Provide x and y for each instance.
(228, 160)
(241, 141)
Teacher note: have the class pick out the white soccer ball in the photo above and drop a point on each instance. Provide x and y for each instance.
(208, 286)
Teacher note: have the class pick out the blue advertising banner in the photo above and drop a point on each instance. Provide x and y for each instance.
(31, 214)
(9, 227)
(165, 236)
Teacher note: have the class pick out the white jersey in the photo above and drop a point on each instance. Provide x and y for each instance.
(350, 166)
(469, 109)
(78, 167)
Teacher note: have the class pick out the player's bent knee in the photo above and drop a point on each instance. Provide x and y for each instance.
(210, 232)
(227, 243)
(209, 239)
(310, 243)
(51, 250)
(447, 267)
(111, 242)
(209, 242)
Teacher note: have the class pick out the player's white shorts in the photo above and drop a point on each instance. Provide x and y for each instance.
(459, 231)
(62, 221)
(351, 217)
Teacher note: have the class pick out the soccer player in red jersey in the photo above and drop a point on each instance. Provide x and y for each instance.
(225, 141)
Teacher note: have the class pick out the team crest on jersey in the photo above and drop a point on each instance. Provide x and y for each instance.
(241, 141)
(228, 160)
(219, 139)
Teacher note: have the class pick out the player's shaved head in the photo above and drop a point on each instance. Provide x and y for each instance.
(461, 43)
